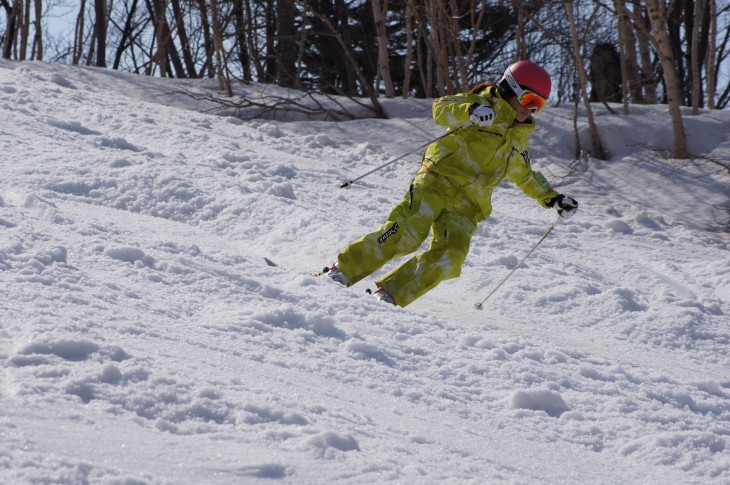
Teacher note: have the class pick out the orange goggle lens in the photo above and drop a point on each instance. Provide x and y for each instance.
(532, 101)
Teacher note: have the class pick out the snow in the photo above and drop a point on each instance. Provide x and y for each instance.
(144, 339)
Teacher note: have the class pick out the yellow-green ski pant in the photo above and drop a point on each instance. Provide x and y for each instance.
(424, 209)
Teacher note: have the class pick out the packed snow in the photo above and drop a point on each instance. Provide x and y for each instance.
(144, 339)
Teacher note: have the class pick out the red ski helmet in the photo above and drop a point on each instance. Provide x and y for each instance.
(527, 75)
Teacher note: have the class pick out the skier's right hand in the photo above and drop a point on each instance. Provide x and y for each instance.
(481, 115)
(565, 205)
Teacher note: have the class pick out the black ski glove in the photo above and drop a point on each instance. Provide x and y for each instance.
(565, 205)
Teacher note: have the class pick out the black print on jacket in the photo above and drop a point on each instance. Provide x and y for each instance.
(388, 233)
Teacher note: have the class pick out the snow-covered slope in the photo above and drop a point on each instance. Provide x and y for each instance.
(143, 339)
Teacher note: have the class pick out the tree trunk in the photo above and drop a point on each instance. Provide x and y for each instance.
(157, 14)
(350, 57)
(422, 43)
(660, 39)
(241, 43)
(100, 32)
(302, 47)
(184, 41)
(167, 55)
(38, 40)
(437, 43)
(254, 52)
(218, 43)
(409, 49)
(78, 47)
(699, 14)
(207, 39)
(286, 44)
(623, 54)
(24, 15)
(127, 35)
(457, 56)
(630, 66)
(658, 36)
(269, 42)
(598, 150)
(521, 50)
(380, 11)
(648, 79)
(9, 34)
(676, 28)
(711, 52)
(476, 26)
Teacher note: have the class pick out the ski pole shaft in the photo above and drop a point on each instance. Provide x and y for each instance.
(479, 305)
(349, 183)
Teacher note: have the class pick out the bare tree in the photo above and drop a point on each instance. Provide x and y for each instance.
(426, 47)
(598, 150)
(437, 43)
(458, 62)
(302, 46)
(710, 61)
(648, 78)
(521, 49)
(425, 73)
(660, 39)
(157, 13)
(10, 25)
(380, 11)
(78, 45)
(100, 32)
(127, 34)
(208, 45)
(477, 22)
(631, 80)
(655, 32)
(351, 61)
(699, 14)
(167, 56)
(24, 16)
(38, 38)
(244, 59)
(407, 67)
(286, 46)
(182, 34)
(223, 83)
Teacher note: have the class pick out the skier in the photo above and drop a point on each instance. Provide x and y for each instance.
(452, 191)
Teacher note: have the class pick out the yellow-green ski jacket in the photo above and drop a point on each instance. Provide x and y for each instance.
(475, 160)
(448, 197)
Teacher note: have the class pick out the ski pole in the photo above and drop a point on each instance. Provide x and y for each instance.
(478, 306)
(349, 183)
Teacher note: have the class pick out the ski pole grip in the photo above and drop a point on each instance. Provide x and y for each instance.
(346, 185)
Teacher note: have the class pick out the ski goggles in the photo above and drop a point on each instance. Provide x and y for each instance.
(527, 98)
(530, 100)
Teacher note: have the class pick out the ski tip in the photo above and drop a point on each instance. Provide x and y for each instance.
(317, 274)
(270, 262)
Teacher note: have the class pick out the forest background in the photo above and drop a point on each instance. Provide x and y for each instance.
(611, 51)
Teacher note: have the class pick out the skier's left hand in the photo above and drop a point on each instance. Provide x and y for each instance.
(565, 205)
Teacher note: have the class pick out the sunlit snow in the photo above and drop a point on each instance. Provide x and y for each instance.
(145, 340)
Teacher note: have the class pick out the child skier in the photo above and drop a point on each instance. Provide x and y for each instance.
(452, 191)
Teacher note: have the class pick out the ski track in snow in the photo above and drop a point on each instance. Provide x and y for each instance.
(144, 340)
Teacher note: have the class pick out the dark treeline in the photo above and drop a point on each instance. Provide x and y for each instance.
(373, 48)
(621, 51)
